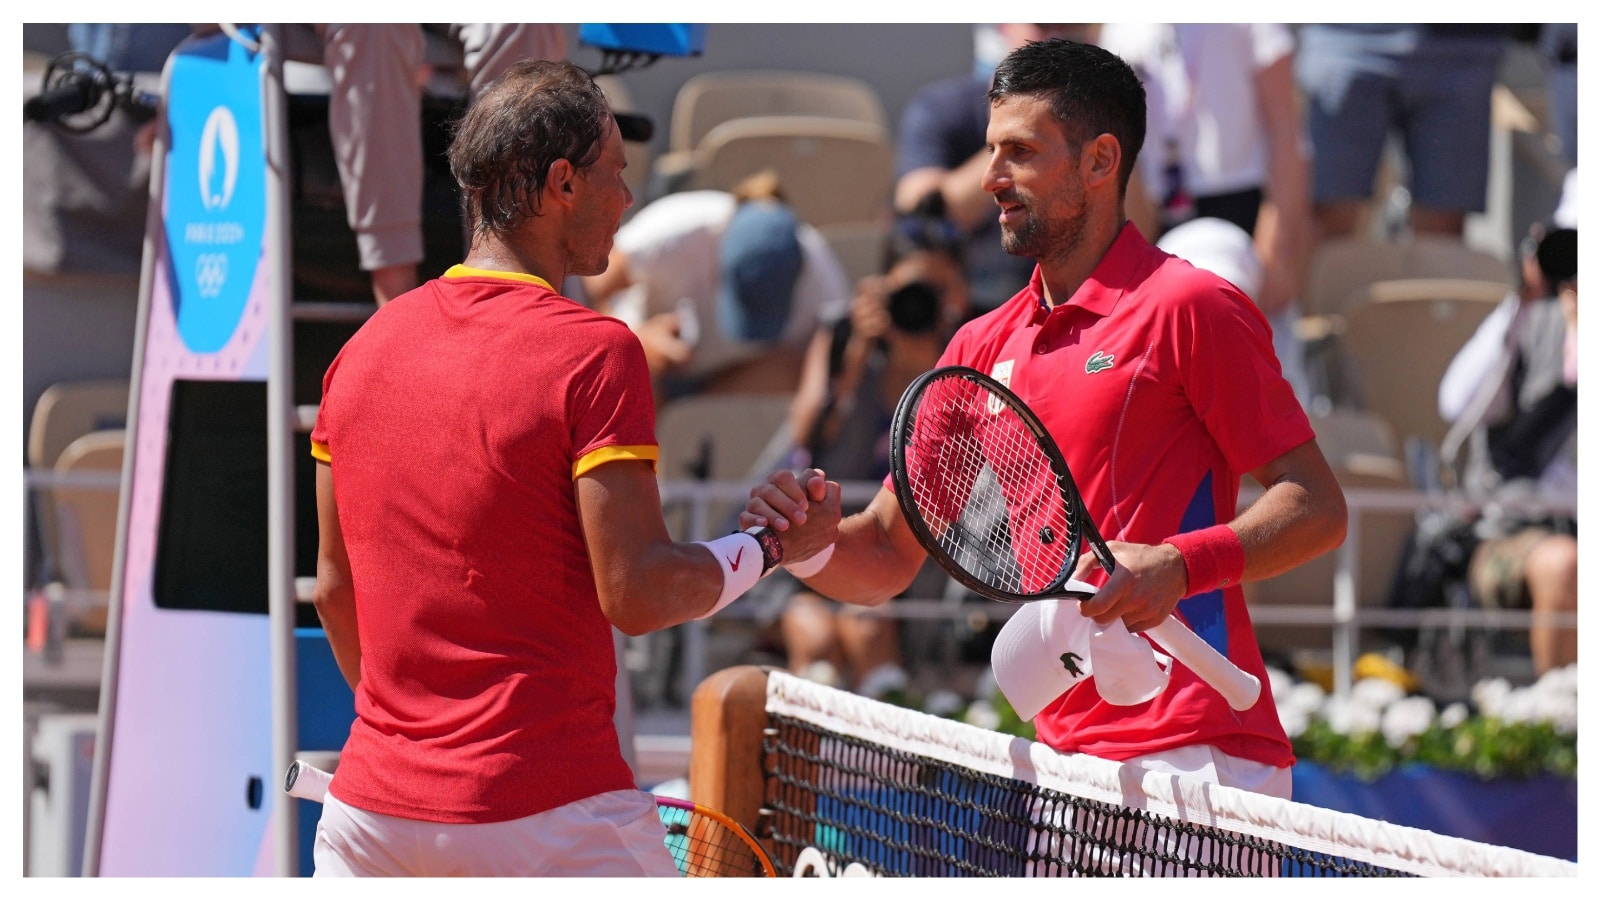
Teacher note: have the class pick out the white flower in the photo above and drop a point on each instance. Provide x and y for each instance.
(1406, 718)
(1281, 683)
(1520, 706)
(1294, 720)
(1488, 695)
(1346, 716)
(1376, 693)
(1305, 698)
(942, 703)
(1453, 715)
(983, 715)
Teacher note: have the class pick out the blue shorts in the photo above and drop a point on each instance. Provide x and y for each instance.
(1436, 97)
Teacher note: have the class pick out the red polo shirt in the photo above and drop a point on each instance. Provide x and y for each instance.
(456, 421)
(1159, 382)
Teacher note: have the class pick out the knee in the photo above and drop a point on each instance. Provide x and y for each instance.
(1552, 573)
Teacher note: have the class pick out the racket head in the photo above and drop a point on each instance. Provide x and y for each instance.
(708, 844)
(985, 489)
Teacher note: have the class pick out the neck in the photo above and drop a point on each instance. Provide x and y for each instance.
(518, 253)
(1065, 271)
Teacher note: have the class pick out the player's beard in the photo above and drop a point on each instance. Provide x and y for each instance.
(1053, 227)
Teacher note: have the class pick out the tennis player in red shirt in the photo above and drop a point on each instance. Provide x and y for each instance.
(1159, 383)
(489, 511)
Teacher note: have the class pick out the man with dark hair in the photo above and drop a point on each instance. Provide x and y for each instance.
(1158, 381)
(489, 511)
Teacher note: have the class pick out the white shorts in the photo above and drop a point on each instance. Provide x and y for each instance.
(612, 834)
(1207, 763)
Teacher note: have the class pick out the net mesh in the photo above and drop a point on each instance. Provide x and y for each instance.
(854, 786)
(985, 488)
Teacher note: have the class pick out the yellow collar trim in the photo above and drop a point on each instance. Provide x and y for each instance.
(460, 271)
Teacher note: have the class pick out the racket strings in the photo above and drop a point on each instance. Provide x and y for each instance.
(987, 489)
(703, 846)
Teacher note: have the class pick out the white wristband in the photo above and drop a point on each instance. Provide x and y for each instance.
(813, 565)
(740, 557)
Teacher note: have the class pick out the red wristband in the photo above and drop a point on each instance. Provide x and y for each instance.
(1213, 556)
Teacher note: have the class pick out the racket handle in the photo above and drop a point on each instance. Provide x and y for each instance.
(1238, 687)
(306, 781)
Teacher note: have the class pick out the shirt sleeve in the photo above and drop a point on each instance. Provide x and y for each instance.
(1232, 377)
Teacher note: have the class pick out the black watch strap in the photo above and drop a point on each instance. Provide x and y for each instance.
(771, 546)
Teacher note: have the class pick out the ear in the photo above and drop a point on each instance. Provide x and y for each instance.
(559, 184)
(1100, 161)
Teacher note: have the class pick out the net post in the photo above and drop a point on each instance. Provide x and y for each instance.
(727, 716)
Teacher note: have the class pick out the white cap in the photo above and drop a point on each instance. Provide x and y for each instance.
(1218, 246)
(1128, 671)
(1042, 652)
(1049, 646)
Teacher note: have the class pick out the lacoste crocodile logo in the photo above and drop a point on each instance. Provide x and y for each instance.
(1099, 362)
(1069, 661)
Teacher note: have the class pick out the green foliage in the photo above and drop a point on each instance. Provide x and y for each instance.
(1488, 748)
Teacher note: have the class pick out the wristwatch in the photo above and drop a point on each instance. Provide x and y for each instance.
(771, 546)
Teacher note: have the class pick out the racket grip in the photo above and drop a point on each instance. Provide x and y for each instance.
(1238, 687)
(306, 781)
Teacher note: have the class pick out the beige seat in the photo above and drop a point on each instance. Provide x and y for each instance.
(1397, 346)
(719, 437)
(68, 410)
(64, 412)
(1342, 269)
(1365, 455)
(712, 98)
(86, 524)
(831, 170)
(858, 245)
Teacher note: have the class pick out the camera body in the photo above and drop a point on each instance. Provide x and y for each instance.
(914, 308)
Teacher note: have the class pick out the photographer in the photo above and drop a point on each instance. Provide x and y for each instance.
(1511, 394)
(854, 373)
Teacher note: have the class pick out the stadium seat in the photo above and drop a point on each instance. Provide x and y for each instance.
(1397, 344)
(1341, 272)
(712, 98)
(830, 170)
(86, 522)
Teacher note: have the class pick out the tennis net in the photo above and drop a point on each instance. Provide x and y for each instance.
(848, 785)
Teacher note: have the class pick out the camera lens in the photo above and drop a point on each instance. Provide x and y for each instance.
(914, 308)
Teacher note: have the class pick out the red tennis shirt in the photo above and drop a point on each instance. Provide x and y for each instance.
(456, 420)
(1159, 382)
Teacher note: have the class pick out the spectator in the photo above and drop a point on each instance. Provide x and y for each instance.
(1224, 139)
(855, 371)
(1511, 394)
(723, 289)
(1430, 83)
(941, 148)
(379, 71)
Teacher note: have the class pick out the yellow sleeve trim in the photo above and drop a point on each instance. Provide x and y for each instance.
(647, 452)
(320, 451)
(460, 271)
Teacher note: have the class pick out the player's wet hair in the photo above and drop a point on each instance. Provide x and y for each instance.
(538, 112)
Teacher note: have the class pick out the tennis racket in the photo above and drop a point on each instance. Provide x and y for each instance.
(703, 842)
(988, 494)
